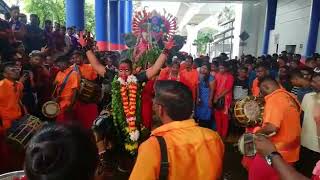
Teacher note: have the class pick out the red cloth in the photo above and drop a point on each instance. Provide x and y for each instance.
(146, 98)
(222, 122)
(82, 113)
(86, 113)
(10, 159)
(260, 170)
(224, 82)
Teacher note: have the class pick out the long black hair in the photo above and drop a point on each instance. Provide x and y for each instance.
(207, 76)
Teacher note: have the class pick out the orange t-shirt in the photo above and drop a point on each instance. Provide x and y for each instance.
(255, 88)
(183, 66)
(282, 110)
(10, 99)
(193, 80)
(86, 71)
(193, 153)
(164, 73)
(67, 93)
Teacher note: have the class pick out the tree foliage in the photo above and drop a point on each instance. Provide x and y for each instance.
(54, 10)
(204, 37)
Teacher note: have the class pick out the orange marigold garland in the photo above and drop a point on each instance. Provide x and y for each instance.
(128, 91)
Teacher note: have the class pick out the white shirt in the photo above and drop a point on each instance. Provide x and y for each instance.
(309, 137)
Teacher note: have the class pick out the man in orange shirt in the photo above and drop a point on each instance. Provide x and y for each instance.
(67, 83)
(262, 71)
(10, 110)
(281, 120)
(192, 76)
(10, 95)
(85, 113)
(192, 152)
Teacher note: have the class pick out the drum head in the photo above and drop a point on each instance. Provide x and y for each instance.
(246, 144)
(50, 109)
(252, 110)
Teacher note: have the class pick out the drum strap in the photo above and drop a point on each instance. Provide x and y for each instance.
(64, 83)
(164, 165)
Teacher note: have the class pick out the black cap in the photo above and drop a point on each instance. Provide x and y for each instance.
(62, 59)
(6, 64)
(78, 52)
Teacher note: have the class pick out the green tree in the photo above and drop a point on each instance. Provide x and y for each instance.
(204, 37)
(54, 10)
(90, 22)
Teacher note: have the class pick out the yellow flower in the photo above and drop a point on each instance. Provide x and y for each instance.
(131, 147)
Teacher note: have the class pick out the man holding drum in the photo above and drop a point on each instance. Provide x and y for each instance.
(67, 83)
(281, 120)
(85, 112)
(10, 111)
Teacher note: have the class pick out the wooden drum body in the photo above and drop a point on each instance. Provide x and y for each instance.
(246, 145)
(249, 111)
(90, 92)
(22, 130)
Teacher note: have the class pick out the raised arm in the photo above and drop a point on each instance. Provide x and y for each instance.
(96, 65)
(155, 69)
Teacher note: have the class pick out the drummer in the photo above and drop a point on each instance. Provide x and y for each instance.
(281, 120)
(66, 96)
(86, 113)
(10, 110)
(10, 95)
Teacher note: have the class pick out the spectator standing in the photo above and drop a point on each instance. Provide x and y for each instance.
(310, 149)
(18, 28)
(223, 94)
(173, 105)
(241, 84)
(205, 99)
(35, 36)
(304, 85)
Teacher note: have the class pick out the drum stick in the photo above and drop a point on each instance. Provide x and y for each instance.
(267, 136)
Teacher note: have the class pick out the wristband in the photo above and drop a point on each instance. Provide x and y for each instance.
(86, 48)
(166, 52)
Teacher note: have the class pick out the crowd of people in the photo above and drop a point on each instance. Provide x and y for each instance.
(191, 97)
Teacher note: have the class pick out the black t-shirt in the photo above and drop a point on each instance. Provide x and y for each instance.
(5, 47)
(109, 75)
(243, 83)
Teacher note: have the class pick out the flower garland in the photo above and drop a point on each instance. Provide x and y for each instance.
(126, 108)
(128, 92)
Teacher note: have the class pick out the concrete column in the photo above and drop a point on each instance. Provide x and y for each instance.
(313, 28)
(101, 24)
(113, 20)
(270, 23)
(75, 13)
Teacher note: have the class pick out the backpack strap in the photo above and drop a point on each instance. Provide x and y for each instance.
(164, 166)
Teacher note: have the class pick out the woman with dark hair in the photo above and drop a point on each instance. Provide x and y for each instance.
(204, 104)
(61, 152)
(223, 98)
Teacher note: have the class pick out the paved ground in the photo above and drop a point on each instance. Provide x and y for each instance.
(232, 168)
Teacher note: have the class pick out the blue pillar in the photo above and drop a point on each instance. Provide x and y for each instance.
(113, 20)
(101, 23)
(313, 28)
(270, 23)
(113, 23)
(75, 13)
